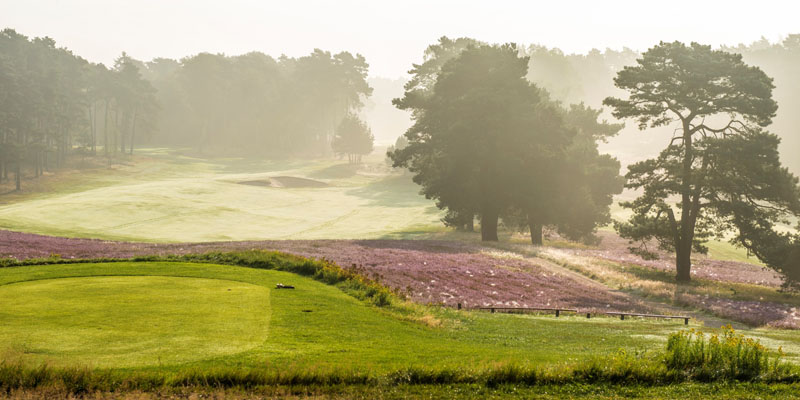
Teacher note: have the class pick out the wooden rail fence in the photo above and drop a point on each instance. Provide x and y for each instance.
(559, 310)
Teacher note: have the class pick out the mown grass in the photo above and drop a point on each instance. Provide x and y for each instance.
(98, 320)
(166, 197)
(319, 325)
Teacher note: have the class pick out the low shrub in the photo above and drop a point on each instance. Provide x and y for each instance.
(722, 356)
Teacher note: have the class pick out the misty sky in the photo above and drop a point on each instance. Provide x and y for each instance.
(390, 34)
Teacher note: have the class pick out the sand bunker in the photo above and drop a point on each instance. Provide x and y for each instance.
(285, 182)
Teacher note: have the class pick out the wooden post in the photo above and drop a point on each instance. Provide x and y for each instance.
(557, 312)
(492, 310)
(622, 317)
(588, 315)
(686, 321)
(459, 306)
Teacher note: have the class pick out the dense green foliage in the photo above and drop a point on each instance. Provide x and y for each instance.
(573, 193)
(488, 143)
(721, 167)
(469, 131)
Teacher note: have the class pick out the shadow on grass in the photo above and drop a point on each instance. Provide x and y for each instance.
(393, 191)
(339, 171)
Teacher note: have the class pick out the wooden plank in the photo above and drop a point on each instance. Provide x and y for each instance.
(558, 311)
(648, 315)
(527, 308)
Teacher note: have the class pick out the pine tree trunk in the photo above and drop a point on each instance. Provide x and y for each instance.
(105, 129)
(537, 239)
(122, 136)
(93, 116)
(683, 249)
(489, 219)
(683, 262)
(133, 132)
(17, 175)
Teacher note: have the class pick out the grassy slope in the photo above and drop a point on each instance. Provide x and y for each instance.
(337, 332)
(171, 198)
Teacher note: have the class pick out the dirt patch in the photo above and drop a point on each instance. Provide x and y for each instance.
(285, 182)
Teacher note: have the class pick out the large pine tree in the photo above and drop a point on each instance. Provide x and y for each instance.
(720, 174)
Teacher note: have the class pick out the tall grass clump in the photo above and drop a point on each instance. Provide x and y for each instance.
(726, 355)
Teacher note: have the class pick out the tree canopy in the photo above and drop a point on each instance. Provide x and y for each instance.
(573, 192)
(488, 143)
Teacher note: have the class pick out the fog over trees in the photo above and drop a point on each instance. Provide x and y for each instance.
(255, 104)
(55, 103)
(588, 78)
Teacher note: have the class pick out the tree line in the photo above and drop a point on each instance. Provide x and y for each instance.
(487, 143)
(257, 104)
(54, 103)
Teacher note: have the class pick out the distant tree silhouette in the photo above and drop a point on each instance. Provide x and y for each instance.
(353, 138)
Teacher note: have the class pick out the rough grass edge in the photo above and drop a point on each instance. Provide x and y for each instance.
(622, 369)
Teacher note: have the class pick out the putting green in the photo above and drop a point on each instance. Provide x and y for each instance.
(143, 320)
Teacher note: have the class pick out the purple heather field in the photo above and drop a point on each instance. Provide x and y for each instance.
(449, 272)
